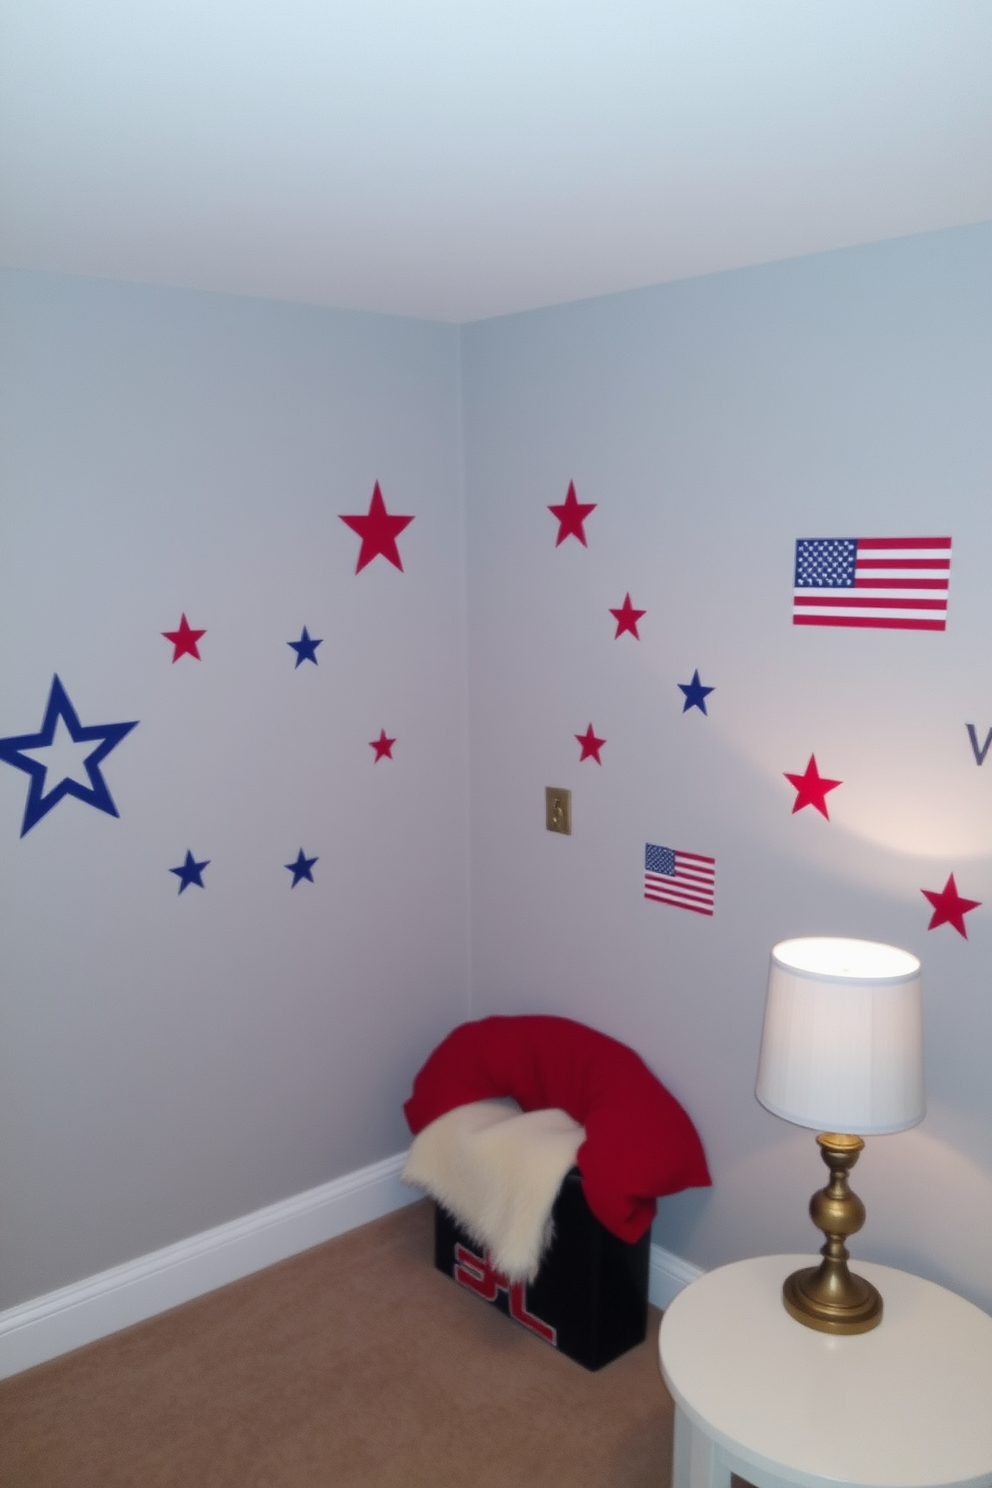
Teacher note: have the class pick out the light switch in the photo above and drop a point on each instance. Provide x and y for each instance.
(558, 810)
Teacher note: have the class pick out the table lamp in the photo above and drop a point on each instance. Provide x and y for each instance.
(841, 1052)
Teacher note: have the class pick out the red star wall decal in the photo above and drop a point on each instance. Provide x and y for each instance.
(627, 617)
(571, 515)
(383, 747)
(378, 530)
(184, 640)
(948, 906)
(811, 788)
(590, 746)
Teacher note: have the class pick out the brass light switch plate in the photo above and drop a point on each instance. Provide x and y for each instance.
(558, 810)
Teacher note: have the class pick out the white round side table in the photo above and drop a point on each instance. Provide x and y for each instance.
(908, 1405)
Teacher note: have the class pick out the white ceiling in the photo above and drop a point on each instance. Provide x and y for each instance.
(465, 158)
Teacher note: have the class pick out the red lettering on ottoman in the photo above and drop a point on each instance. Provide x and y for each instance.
(479, 1274)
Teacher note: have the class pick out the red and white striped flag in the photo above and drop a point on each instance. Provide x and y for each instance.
(886, 583)
(687, 880)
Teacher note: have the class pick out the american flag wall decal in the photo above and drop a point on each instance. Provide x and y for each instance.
(884, 583)
(685, 879)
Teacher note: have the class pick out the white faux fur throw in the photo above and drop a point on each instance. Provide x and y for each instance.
(498, 1170)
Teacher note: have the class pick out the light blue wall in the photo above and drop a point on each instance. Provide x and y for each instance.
(169, 1062)
(714, 422)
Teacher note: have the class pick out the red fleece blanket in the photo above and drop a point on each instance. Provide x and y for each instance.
(640, 1143)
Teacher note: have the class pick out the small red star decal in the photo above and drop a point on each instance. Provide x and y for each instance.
(378, 530)
(571, 515)
(627, 617)
(811, 788)
(184, 640)
(590, 746)
(948, 906)
(383, 747)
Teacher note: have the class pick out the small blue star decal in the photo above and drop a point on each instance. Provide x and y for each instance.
(301, 868)
(695, 693)
(16, 749)
(305, 648)
(191, 872)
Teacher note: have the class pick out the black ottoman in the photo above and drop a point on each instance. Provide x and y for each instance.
(590, 1297)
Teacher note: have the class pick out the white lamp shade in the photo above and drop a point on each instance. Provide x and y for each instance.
(842, 1044)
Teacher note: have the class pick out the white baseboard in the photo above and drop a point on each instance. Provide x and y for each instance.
(90, 1309)
(59, 1321)
(668, 1275)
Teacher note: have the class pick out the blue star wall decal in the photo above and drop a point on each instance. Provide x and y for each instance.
(305, 648)
(695, 693)
(191, 872)
(42, 794)
(301, 868)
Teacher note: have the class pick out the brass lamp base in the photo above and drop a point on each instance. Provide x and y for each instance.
(829, 1297)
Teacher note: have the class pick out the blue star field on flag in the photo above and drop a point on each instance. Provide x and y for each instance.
(301, 868)
(42, 794)
(305, 648)
(695, 693)
(190, 872)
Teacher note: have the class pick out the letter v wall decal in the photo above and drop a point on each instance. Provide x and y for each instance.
(979, 753)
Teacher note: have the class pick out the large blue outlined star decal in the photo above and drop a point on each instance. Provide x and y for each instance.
(301, 868)
(16, 751)
(305, 648)
(190, 872)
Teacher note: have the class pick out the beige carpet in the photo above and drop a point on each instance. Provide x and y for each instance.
(353, 1364)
